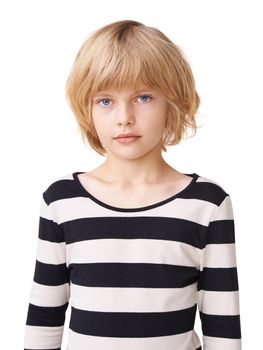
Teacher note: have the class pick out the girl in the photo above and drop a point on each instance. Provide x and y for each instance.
(135, 245)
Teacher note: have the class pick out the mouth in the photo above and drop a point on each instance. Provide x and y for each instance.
(124, 135)
(127, 139)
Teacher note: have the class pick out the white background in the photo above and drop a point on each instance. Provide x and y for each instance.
(40, 140)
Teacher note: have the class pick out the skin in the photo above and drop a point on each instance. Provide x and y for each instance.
(138, 164)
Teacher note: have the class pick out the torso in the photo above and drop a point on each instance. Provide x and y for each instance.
(132, 197)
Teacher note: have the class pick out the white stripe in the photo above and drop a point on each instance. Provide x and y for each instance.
(42, 295)
(219, 255)
(218, 303)
(133, 251)
(132, 299)
(45, 210)
(194, 210)
(43, 337)
(224, 211)
(51, 252)
(214, 343)
(205, 179)
(183, 341)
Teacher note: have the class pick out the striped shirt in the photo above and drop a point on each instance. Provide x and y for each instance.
(135, 277)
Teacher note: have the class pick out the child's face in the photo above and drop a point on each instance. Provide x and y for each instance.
(142, 113)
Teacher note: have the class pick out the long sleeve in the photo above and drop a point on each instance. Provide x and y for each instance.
(50, 287)
(218, 290)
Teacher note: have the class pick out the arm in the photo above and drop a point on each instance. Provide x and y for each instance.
(218, 294)
(50, 287)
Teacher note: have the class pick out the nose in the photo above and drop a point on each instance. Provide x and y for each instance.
(125, 114)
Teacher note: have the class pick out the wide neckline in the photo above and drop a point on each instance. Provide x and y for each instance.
(86, 193)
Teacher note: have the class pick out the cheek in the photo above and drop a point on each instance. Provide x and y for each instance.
(157, 123)
(97, 125)
(97, 118)
(103, 129)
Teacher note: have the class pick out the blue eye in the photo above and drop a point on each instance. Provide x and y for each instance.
(104, 99)
(147, 96)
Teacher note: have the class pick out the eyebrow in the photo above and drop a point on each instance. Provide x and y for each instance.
(106, 93)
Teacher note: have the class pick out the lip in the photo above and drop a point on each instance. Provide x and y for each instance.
(127, 139)
(126, 135)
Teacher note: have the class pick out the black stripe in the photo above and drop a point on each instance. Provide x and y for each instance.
(50, 274)
(60, 189)
(163, 228)
(132, 324)
(206, 191)
(226, 326)
(46, 316)
(132, 275)
(50, 231)
(221, 231)
(218, 279)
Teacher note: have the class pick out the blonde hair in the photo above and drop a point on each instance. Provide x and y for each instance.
(130, 54)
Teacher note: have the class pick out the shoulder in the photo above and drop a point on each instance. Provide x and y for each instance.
(58, 188)
(211, 189)
(212, 182)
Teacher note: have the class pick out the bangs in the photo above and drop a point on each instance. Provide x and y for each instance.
(135, 64)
